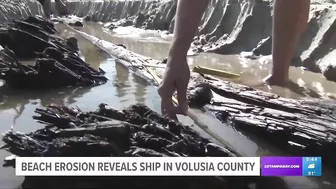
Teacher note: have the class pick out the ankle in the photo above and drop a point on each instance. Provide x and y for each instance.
(276, 80)
(282, 73)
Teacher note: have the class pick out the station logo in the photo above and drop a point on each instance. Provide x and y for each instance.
(291, 166)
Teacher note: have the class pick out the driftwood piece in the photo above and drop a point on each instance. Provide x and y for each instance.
(301, 127)
(57, 65)
(134, 131)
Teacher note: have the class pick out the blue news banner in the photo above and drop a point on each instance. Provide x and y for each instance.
(291, 166)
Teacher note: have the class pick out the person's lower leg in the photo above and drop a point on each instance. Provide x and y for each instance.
(187, 19)
(289, 22)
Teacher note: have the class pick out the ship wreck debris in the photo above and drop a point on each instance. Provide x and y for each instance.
(136, 131)
(301, 127)
(57, 62)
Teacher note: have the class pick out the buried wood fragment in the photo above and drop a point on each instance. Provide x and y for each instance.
(215, 72)
(135, 131)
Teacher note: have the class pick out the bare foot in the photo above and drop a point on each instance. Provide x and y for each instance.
(294, 87)
(278, 81)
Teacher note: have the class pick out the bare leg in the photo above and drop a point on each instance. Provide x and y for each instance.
(188, 17)
(289, 22)
(177, 73)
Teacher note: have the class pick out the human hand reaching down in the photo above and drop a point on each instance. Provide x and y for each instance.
(175, 79)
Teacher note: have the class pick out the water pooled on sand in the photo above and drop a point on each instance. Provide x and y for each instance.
(124, 89)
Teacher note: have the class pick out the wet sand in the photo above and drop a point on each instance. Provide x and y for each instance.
(124, 89)
(310, 85)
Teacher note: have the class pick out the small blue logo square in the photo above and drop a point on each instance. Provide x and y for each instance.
(312, 166)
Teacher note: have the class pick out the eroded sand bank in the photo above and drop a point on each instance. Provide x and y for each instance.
(16, 9)
(228, 26)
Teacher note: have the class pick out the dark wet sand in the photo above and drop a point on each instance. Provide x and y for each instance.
(124, 89)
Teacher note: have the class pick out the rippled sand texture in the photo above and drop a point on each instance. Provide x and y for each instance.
(229, 26)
